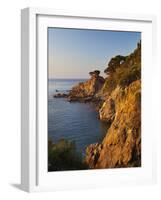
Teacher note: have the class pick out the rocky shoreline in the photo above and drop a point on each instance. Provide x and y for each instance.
(85, 91)
(118, 101)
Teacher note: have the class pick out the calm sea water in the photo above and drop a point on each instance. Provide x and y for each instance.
(73, 121)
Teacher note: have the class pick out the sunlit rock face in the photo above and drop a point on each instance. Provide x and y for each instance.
(107, 111)
(121, 146)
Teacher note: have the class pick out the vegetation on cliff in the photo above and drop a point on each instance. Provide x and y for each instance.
(123, 70)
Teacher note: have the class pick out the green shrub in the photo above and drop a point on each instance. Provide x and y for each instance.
(123, 76)
(110, 84)
(63, 156)
(114, 63)
(123, 70)
(127, 75)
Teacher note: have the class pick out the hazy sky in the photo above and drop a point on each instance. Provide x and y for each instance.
(73, 53)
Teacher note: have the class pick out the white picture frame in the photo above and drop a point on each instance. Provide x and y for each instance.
(34, 177)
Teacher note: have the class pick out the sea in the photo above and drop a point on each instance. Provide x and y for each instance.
(78, 122)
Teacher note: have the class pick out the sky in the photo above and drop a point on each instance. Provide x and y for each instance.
(73, 53)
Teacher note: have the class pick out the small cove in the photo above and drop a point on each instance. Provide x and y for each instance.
(78, 122)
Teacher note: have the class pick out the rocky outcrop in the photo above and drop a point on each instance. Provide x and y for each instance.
(86, 91)
(92, 154)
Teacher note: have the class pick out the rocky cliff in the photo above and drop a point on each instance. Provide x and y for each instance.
(121, 146)
(87, 90)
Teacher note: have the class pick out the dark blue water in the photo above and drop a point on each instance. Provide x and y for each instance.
(73, 121)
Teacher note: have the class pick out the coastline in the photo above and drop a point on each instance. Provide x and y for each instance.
(117, 99)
